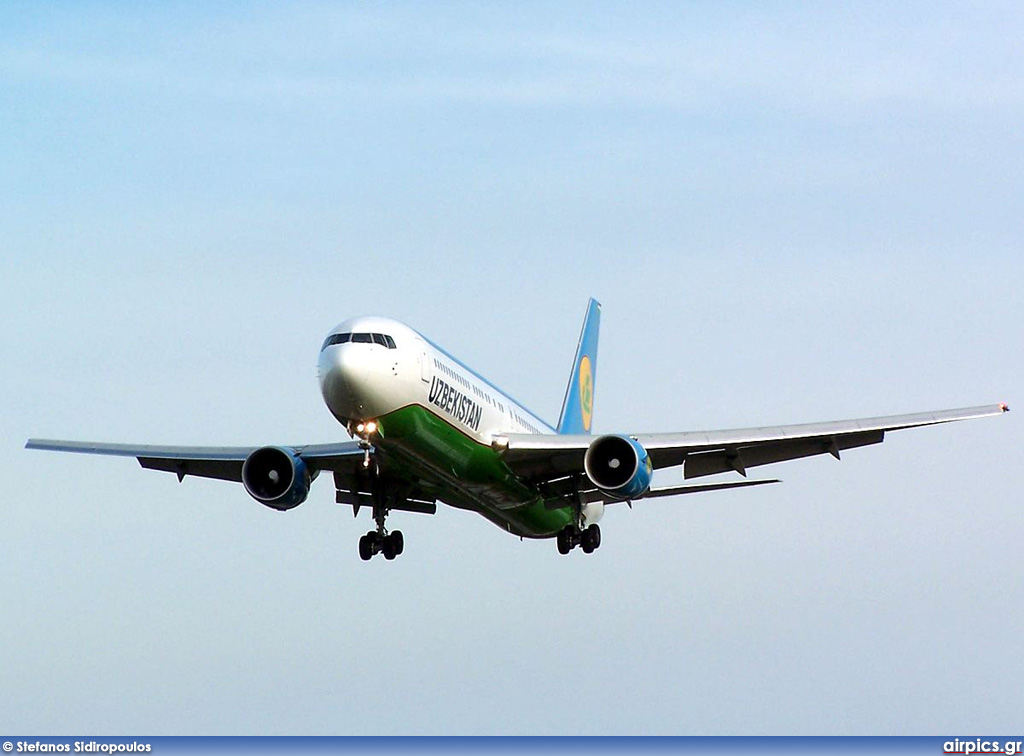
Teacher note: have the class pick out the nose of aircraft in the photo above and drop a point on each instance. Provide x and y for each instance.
(341, 373)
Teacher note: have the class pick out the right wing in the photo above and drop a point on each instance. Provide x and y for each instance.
(222, 462)
(345, 460)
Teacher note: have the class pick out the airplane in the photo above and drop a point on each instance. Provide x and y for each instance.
(426, 428)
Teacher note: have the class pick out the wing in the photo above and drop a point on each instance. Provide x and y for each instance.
(651, 493)
(551, 457)
(222, 462)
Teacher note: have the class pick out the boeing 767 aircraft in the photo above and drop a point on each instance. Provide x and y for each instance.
(427, 428)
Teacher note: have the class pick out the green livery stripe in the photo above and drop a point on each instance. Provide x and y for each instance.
(472, 474)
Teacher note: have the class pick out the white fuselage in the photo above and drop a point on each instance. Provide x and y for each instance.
(392, 366)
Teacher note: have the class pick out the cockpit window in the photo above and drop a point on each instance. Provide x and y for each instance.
(359, 338)
(335, 338)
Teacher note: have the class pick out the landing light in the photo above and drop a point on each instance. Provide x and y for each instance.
(367, 429)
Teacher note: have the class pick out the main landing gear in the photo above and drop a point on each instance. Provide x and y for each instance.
(390, 544)
(577, 534)
(380, 541)
(570, 537)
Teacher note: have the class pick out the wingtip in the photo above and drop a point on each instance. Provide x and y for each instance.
(1004, 407)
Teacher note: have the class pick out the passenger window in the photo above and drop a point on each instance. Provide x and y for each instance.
(361, 338)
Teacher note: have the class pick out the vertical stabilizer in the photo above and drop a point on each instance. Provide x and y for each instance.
(578, 405)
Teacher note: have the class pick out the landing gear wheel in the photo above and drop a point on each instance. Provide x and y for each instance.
(398, 540)
(564, 542)
(388, 547)
(590, 539)
(366, 547)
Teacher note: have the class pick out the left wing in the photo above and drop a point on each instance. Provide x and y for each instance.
(550, 457)
(222, 462)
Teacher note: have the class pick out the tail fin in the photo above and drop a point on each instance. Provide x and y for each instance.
(578, 405)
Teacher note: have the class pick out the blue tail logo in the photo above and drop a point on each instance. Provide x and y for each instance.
(578, 405)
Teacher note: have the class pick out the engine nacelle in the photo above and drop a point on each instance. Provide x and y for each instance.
(619, 466)
(276, 477)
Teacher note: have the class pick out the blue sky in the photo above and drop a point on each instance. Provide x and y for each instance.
(790, 213)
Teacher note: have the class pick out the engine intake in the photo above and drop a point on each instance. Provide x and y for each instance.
(619, 466)
(277, 478)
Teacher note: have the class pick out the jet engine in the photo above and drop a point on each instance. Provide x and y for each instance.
(619, 466)
(276, 477)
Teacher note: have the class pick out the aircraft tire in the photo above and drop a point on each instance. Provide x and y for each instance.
(388, 547)
(564, 542)
(590, 539)
(365, 548)
(398, 540)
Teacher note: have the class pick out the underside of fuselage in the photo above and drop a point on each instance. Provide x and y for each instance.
(426, 450)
